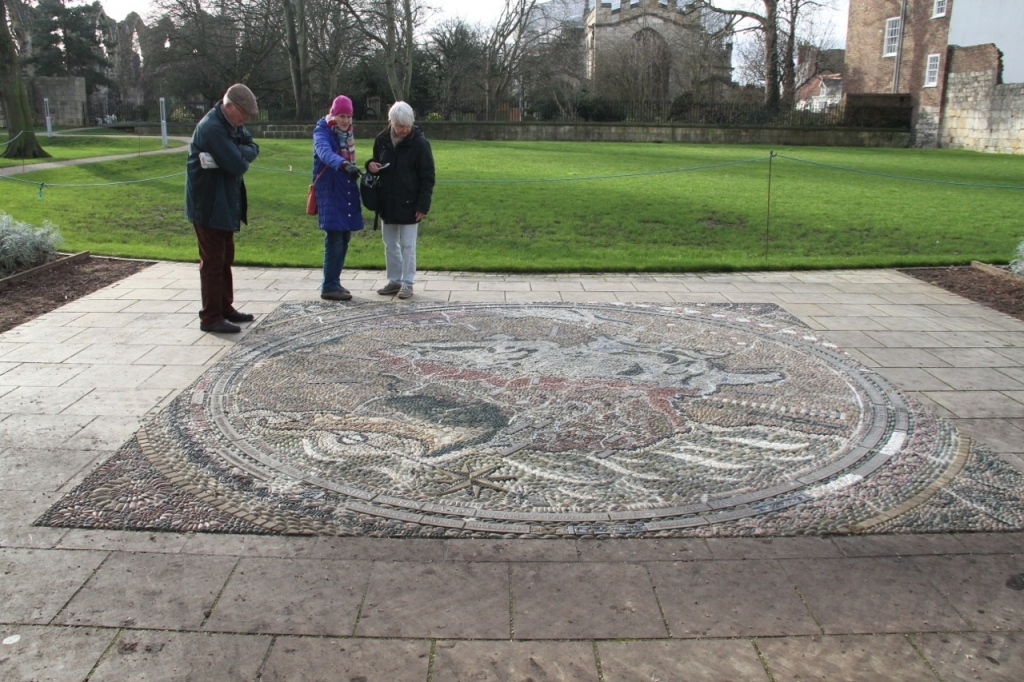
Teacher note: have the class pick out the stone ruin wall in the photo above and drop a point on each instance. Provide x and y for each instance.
(980, 113)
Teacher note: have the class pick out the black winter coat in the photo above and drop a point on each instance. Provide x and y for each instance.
(407, 185)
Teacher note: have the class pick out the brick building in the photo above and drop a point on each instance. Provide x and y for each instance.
(899, 46)
(950, 56)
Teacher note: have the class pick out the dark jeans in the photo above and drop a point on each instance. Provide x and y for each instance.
(216, 254)
(335, 249)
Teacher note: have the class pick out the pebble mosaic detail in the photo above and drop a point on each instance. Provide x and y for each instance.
(550, 420)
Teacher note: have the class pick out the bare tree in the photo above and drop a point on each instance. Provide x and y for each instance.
(777, 25)
(297, 46)
(392, 25)
(802, 26)
(455, 54)
(764, 15)
(554, 71)
(506, 44)
(213, 43)
(22, 143)
(335, 46)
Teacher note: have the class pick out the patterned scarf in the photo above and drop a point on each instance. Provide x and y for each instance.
(347, 141)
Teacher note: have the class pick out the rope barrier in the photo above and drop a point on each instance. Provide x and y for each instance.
(897, 177)
(14, 138)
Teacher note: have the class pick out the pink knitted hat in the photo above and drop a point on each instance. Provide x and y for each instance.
(342, 105)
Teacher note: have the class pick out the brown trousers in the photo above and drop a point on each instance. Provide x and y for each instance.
(216, 254)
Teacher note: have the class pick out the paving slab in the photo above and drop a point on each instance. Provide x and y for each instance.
(985, 589)
(707, 660)
(281, 546)
(845, 658)
(482, 599)
(511, 550)
(504, 661)
(730, 599)
(876, 595)
(50, 654)
(644, 550)
(37, 583)
(18, 509)
(379, 549)
(123, 541)
(309, 659)
(584, 601)
(38, 431)
(145, 656)
(162, 591)
(42, 470)
(959, 657)
(451, 600)
(992, 543)
(772, 548)
(898, 545)
(291, 596)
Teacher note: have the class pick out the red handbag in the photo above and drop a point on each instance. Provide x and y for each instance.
(311, 194)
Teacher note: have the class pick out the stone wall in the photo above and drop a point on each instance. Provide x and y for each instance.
(67, 100)
(619, 132)
(980, 113)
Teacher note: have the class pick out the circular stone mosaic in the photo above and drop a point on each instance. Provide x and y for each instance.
(548, 420)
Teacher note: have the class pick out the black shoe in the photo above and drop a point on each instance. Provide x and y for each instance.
(237, 316)
(336, 295)
(221, 327)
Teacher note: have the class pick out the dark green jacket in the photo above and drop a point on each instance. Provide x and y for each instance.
(215, 197)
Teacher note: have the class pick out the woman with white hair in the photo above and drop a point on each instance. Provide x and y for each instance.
(404, 164)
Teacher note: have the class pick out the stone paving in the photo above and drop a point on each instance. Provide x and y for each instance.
(75, 604)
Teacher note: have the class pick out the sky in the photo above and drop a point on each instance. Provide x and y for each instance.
(474, 11)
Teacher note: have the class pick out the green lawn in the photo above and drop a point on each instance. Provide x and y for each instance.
(520, 206)
(73, 146)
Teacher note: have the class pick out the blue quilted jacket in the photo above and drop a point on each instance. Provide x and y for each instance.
(337, 194)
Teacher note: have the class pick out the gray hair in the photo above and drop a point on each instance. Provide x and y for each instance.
(401, 114)
(243, 99)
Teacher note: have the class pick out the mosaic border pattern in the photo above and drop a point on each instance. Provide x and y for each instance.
(899, 478)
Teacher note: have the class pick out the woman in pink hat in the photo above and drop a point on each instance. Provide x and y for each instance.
(336, 177)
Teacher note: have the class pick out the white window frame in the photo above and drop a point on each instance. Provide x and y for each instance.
(891, 39)
(931, 70)
(939, 9)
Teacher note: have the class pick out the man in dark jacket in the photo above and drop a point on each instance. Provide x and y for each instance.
(215, 202)
(405, 164)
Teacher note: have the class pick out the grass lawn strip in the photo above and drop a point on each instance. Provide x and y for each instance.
(544, 207)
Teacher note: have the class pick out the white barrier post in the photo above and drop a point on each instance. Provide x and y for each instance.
(163, 122)
(49, 122)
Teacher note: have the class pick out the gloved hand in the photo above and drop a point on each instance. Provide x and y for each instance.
(351, 169)
(206, 160)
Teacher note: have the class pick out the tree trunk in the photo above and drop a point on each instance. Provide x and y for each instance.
(17, 107)
(789, 56)
(296, 45)
(771, 55)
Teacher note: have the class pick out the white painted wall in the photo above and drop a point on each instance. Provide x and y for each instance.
(976, 22)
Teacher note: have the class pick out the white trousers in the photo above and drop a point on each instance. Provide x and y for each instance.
(400, 252)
